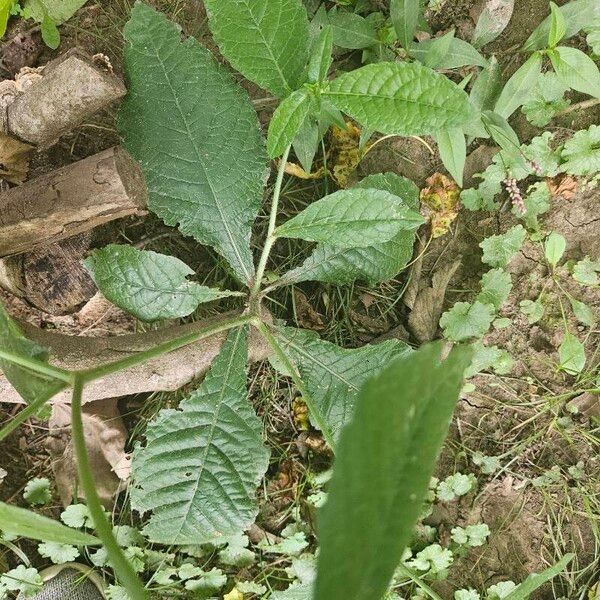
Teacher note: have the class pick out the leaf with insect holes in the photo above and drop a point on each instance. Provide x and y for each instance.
(554, 248)
(287, 121)
(148, 285)
(518, 88)
(576, 70)
(333, 375)
(321, 56)
(196, 135)
(352, 218)
(265, 40)
(352, 31)
(466, 321)
(405, 18)
(453, 152)
(375, 263)
(199, 468)
(498, 250)
(457, 54)
(58, 553)
(495, 288)
(25, 523)
(572, 355)
(412, 400)
(400, 98)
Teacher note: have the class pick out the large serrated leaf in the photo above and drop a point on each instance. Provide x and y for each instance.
(400, 98)
(196, 136)
(265, 40)
(149, 285)
(379, 262)
(201, 464)
(384, 461)
(334, 375)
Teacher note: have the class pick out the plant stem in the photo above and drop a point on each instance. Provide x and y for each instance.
(131, 361)
(291, 369)
(420, 583)
(270, 240)
(37, 366)
(123, 569)
(31, 409)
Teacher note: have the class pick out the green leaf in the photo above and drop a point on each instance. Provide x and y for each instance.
(554, 248)
(378, 262)
(453, 152)
(25, 523)
(58, 553)
(321, 56)
(466, 321)
(577, 15)
(546, 100)
(405, 17)
(5, 6)
(148, 285)
(581, 154)
(558, 26)
(583, 313)
(351, 218)
(307, 141)
(37, 491)
(571, 354)
(27, 580)
(586, 271)
(351, 30)
(50, 33)
(393, 441)
(265, 40)
(333, 375)
(499, 249)
(400, 98)
(576, 70)
(196, 136)
(492, 21)
(77, 515)
(438, 48)
(533, 310)
(495, 288)
(503, 134)
(518, 88)
(201, 464)
(536, 580)
(487, 86)
(287, 121)
(457, 54)
(59, 11)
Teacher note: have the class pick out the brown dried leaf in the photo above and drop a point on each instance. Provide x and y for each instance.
(306, 315)
(563, 186)
(345, 153)
(297, 171)
(14, 159)
(440, 203)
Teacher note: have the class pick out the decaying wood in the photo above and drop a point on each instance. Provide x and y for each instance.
(72, 89)
(71, 200)
(164, 373)
(53, 278)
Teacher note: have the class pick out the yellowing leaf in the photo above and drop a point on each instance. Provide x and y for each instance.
(297, 171)
(440, 200)
(234, 594)
(300, 413)
(346, 152)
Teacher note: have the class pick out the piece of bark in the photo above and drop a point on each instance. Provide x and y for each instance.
(53, 278)
(71, 200)
(164, 373)
(72, 89)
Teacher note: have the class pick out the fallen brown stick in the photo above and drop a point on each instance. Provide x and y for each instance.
(164, 373)
(71, 200)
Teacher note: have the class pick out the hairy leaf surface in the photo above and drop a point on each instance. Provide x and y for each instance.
(384, 462)
(400, 98)
(265, 40)
(334, 375)
(287, 121)
(201, 464)
(196, 136)
(149, 285)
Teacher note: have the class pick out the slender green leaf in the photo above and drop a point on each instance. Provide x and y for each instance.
(306, 142)
(50, 33)
(384, 463)
(196, 136)
(150, 286)
(321, 56)
(493, 21)
(518, 88)
(558, 26)
(487, 86)
(536, 580)
(453, 152)
(504, 135)
(405, 17)
(287, 121)
(200, 466)
(5, 6)
(352, 218)
(400, 98)
(458, 53)
(29, 524)
(351, 30)
(576, 70)
(265, 40)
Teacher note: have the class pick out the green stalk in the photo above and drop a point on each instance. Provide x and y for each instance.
(282, 356)
(125, 573)
(31, 409)
(262, 264)
(131, 361)
(420, 583)
(37, 366)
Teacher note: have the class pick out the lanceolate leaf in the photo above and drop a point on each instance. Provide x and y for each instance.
(201, 464)
(576, 70)
(519, 87)
(150, 286)
(400, 98)
(352, 31)
(384, 463)
(453, 152)
(196, 135)
(287, 121)
(29, 524)
(265, 40)
(458, 54)
(405, 17)
(334, 375)
(373, 264)
(320, 59)
(536, 580)
(352, 218)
